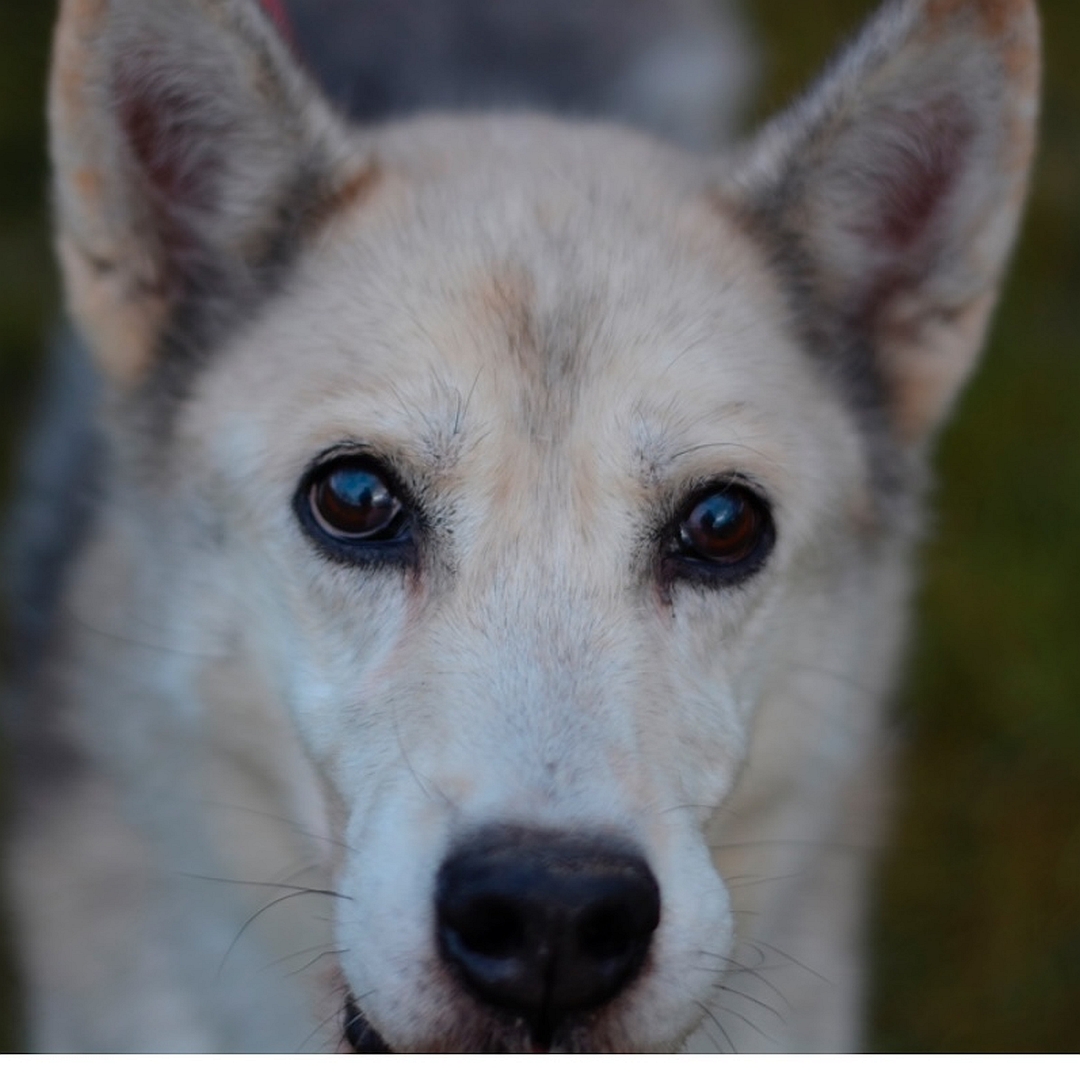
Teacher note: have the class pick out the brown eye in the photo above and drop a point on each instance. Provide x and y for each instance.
(725, 534)
(353, 501)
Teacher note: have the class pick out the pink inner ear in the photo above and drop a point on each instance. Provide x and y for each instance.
(174, 141)
(167, 132)
(919, 165)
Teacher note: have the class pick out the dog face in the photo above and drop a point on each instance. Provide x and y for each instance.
(539, 461)
(537, 637)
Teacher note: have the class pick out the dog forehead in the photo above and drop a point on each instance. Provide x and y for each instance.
(529, 280)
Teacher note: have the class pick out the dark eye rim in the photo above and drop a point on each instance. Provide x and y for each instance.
(399, 549)
(678, 564)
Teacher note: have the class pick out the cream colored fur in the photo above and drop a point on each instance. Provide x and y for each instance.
(553, 330)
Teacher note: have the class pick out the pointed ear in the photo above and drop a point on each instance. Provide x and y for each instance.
(190, 153)
(891, 193)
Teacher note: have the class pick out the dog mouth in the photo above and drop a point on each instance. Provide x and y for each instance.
(359, 1033)
(362, 1038)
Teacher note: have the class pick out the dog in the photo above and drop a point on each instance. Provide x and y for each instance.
(481, 633)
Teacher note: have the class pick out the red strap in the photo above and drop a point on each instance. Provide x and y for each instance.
(276, 10)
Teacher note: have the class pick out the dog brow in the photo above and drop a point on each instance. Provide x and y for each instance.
(663, 444)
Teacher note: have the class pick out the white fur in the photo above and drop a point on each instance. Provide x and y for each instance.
(247, 710)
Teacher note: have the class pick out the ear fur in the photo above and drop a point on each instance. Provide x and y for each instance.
(891, 194)
(189, 150)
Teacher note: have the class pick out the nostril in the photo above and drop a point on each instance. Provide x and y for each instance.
(492, 927)
(607, 933)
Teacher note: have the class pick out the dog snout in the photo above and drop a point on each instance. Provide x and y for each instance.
(545, 926)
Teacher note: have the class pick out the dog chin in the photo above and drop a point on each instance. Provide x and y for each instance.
(495, 1036)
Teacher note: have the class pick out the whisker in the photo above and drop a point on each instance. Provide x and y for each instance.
(338, 1014)
(335, 1015)
(139, 643)
(311, 963)
(791, 959)
(749, 1023)
(712, 1038)
(299, 829)
(723, 446)
(710, 807)
(744, 969)
(720, 1027)
(417, 777)
(831, 846)
(749, 881)
(303, 889)
(697, 343)
(295, 955)
(298, 892)
(463, 407)
(720, 985)
(838, 676)
(749, 997)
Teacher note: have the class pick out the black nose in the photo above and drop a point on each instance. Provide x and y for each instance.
(545, 925)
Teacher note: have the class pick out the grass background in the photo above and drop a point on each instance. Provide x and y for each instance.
(977, 928)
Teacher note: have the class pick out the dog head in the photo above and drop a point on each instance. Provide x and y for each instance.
(540, 464)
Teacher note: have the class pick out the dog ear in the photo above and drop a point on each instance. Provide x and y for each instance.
(890, 195)
(190, 152)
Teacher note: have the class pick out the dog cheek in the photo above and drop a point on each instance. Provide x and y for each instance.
(337, 675)
(385, 926)
(694, 938)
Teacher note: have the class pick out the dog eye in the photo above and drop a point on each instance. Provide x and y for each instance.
(724, 535)
(353, 502)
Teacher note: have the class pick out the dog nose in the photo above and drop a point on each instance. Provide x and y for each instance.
(545, 925)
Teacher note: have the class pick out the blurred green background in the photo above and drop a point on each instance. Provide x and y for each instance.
(977, 927)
